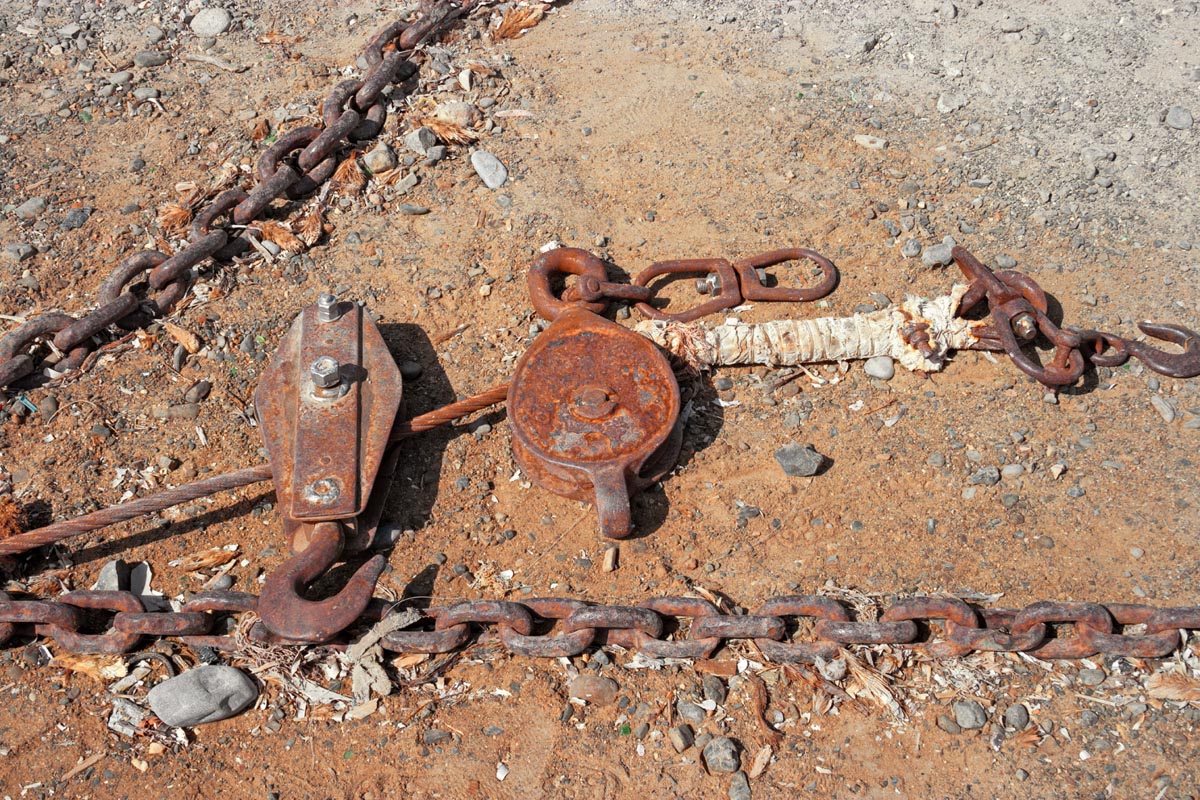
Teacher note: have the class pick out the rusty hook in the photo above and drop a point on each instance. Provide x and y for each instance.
(286, 612)
(1174, 365)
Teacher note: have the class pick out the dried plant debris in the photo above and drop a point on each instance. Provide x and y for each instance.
(207, 559)
(281, 234)
(1173, 686)
(10, 517)
(516, 21)
(349, 177)
(174, 217)
(102, 668)
(448, 131)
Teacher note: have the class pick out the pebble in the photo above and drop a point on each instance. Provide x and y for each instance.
(721, 755)
(880, 367)
(420, 140)
(457, 112)
(870, 142)
(690, 712)
(682, 737)
(723, 384)
(489, 169)
(1016, 716)
(911, 249)
(211, 22)
(714, 689)
(380, 159)
(1179, 118)
(988, 476)
(19, 251)
(120, 78)
(412, 209)
(799, 460)
(939, 254)
(950, 102)
(200, 695)
(411, 370)
(947, 724)
(143, 93)
(1136, 552)
(969, 715)
(739, 787)
(197, 392)
(1091, 677)
(1012, 470)
(595, 689)
(435, 736)
(31, 208)
(1164, 409)
(151, 58)
(75, 218)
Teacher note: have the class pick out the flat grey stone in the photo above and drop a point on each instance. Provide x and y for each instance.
(988, 476)
(489, 169)
(412, 209)
(19, 251)
(938, 255)
(205, 694)
(870, 142)
(721, 755)
(969, 715)
(1179, 118)
(911, 249)
(1091, 677)
(380, 159)
(739, 787)
(211, 22)
(799, 460)
(1016, 716)
(681, 737)
(151, 58)
(420, 140)
(948, 725)
(880, 367)
(120, 78)
(75, 218)
(950, 102)
(595, 689)
(690, 712)
(113, 577)
(1012, 470)
(31, 208)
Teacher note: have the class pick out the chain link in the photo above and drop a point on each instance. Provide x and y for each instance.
(794, 628)
(294, 166)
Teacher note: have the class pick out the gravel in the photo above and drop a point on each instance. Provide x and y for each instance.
(210, 22)
(969, 715)
(1016, 716)
(489, 169)
(721, 755)
(200, 695)
(880, 367)
(682, 737)
(1179, 118)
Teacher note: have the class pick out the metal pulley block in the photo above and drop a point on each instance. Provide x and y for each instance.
(326, 405)
(594, 407)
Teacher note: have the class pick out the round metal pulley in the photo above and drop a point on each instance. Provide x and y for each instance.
(594, 410)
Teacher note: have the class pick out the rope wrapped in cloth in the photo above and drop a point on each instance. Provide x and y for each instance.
(893, 331)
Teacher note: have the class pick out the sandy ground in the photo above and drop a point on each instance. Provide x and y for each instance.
(656, 131)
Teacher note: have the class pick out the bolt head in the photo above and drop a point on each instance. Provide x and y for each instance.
(325, 372)
(327, 307)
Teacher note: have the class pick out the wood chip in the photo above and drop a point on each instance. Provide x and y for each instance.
(280, 235)
(190, 341)
(90, 761)
(206, 559)
(516, 21)
(103, 668)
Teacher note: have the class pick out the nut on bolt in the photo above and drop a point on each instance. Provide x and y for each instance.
(325, 372)
(327, 307)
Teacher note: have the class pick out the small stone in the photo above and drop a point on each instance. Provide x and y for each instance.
(723, 384)
(200, 695)
(120, 78)
(1012, 470)
(210, 22)
(113, 577)
(969, 715)
(595, 689)
(936, 460)
(714, 689)
(950, 102)
(1016, 716)
(19, 252)
(489, 169)
(1164, 408)
(1011, 24)
(459, 113)
(197, 392)
(938, 255)
(411, 370)
(380, 158)
(151, 58)
(31, 208)
(799, 460)
(420, 140)
(434, 736)
(1136, 552)
(880, 367)
(1091, 677)
(690, 712)
(1046, 542)
(721, 755)
(406, 184)
(948, 724)
(435, 153)
(1179, 118)
(870, 142)
(413, 210)
(682, 737)
(911, 249)
(988, 476)
(739, 787)
(75, 218)
(143, 93)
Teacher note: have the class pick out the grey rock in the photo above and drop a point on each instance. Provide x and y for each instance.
(120, 78)
(1016, 716)
(113, 577)
(870, 142)
(595, 689)
(1091, 677)
(969, 715)
(939, 254)
(682, 737)
(988, 476)
(435, 736)
(31, 208)
(412, 209)
(197, 392)
(420, 140)
(411, 370)
(380, 159)
(721, 755)
(911, 249)
(1011, 24)
(457, 112)
(880, 367)
(739, 787)
(204, 694)
(1163, 407)
(435, 153)
(714, 689)
(211, 22)
(151, 58)
(155, 34)
(19, 251)
(145, 93)
(949, 102)
(75, 218)
(948, 724)
(1005, 262)
(690, 712)
(1179, 118)
(1012, 470)
(799, 460)
(489, 169)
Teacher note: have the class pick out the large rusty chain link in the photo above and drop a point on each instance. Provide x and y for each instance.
(295, 165)
(794, 628)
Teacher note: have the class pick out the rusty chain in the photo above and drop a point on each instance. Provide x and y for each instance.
(295, 165)
(794, 628)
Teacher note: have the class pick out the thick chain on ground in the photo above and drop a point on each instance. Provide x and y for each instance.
(793, 628)
(294, 166)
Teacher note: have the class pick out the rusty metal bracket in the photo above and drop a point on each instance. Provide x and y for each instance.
(594, 410)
